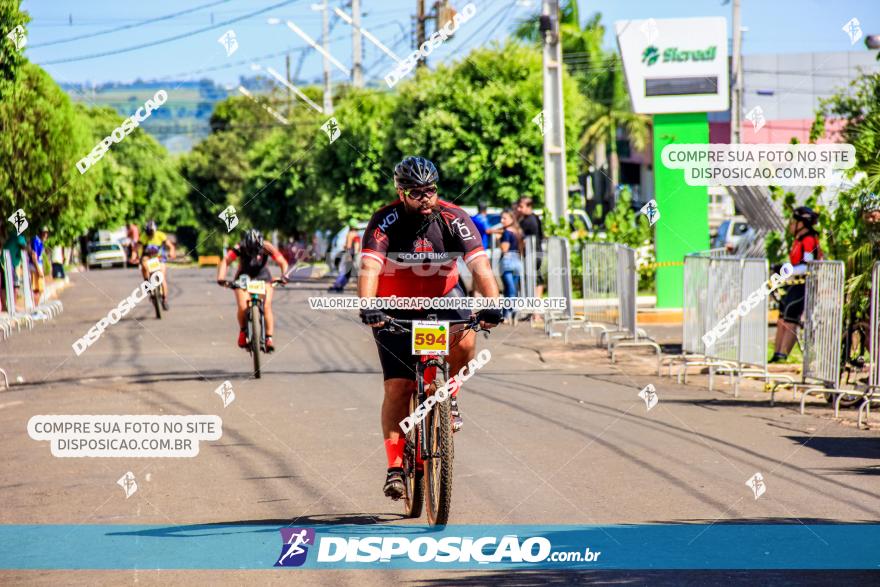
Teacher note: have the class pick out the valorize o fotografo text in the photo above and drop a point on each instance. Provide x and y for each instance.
(128, 125)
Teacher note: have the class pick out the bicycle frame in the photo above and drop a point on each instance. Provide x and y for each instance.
(255, 300)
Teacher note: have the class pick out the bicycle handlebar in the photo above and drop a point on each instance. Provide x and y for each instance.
(234, 285)
(395, 325)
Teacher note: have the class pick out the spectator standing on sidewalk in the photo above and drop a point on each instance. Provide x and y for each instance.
(134, 236)
(531, 226)
(804, 249)
(58, 262)
(511, 256)
(346, 264)
(38, 279)
(481, 221)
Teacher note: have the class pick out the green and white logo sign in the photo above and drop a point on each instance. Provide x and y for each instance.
(649, 57)
(673, 54)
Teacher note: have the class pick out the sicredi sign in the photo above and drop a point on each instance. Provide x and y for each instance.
(681, 66)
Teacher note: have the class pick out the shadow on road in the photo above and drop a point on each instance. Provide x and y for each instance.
(841, 446)
(205, 375)
(265, 525)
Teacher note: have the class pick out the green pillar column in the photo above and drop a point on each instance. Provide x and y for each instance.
(684, 210)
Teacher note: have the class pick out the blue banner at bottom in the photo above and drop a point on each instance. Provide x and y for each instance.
(527, 547)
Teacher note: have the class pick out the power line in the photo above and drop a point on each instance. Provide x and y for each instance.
(169, 39)
(129, 26)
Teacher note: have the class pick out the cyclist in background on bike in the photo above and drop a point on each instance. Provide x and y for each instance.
(253, 254)
(805, 248)
(410, 250)
(155, 243)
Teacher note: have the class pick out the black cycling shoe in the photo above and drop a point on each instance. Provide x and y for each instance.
(394, 486)
(778, 358)
(270, 345)
(457, 422)
(164, 304)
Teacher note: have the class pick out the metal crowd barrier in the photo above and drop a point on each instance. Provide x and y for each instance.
(13, 319)
(715, 286)
(695, 295)
(823, 331)
(600, 286)
(873, 394)
(629, 334)
(559, 286)
(530, 266)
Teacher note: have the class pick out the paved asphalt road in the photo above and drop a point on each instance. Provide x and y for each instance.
(560, 440)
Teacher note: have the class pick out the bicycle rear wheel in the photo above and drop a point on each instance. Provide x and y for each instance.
(414, 496)
(255, 337)
(437, 427)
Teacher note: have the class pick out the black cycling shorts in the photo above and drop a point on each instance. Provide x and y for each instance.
(263, 274)
(791, 308)
(395, 350)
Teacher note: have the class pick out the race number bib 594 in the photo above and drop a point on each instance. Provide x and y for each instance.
(430, 338)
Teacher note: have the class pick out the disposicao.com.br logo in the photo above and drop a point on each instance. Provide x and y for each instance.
(453, 549)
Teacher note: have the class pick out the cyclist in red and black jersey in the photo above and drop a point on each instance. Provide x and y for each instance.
(410, 249)
(253, 255)
(805, 248)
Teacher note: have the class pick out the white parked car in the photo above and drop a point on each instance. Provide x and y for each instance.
(336, 247)
(106, 254)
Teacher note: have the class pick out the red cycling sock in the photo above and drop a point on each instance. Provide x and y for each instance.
(394, 451)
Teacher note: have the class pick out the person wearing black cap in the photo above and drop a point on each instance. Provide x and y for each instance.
(804, 249)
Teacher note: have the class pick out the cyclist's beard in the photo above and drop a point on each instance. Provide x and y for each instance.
(421, 209)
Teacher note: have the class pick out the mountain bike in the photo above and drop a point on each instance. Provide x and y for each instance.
(255, 321)
(429, 450)
(154, 265)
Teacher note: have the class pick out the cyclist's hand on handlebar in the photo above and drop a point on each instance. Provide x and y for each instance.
(222, 283)
(374, 318)
(489, 318)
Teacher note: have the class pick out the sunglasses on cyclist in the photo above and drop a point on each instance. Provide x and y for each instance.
(420, 194)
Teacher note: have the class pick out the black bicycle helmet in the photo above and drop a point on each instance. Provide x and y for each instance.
(415, 172)
(252, 243)
(151, 227)
(806, 215)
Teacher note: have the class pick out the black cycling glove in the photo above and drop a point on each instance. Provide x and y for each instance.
(490, 316)
(370, 317)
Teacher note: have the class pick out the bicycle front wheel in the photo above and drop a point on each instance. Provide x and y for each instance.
(438, 468)
(414, 496)
(156, 303)
(255, 340)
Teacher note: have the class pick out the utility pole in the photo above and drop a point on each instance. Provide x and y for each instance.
(555, 184)
(736, 71)
(356, 52)
(289, 81)
(420, 29)
(325, 39)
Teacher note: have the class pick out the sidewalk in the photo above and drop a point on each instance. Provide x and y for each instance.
(639, 367)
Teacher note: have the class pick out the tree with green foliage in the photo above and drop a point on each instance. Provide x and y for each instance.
(849, 236)
(473, 119)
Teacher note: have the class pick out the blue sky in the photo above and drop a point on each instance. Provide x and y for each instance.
(774, 26)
